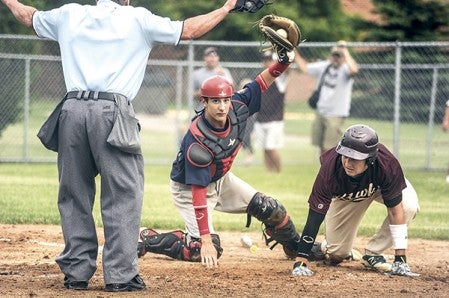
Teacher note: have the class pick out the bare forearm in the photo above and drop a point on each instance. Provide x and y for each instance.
(300, 62)
(21, 12)
(198, 26)
(352, 65)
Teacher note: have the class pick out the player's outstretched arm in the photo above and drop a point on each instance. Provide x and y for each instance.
(23, 13)
(195, 27)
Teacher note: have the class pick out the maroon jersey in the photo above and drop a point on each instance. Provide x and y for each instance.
(385, 175)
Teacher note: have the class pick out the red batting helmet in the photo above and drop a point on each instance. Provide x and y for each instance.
(217, 87)
(359, 142)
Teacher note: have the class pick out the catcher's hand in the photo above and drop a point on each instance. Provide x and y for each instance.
(250, 6)
(401, 268)
(300, 269)
(283, 34)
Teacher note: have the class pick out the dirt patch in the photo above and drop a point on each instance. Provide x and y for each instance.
(27, 268)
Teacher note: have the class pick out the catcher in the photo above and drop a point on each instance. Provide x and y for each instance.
(201, 180)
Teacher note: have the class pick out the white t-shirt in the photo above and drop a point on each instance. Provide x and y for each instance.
(105, 47)
(335, 96)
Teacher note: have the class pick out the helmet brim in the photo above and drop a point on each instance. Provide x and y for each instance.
(351, 153)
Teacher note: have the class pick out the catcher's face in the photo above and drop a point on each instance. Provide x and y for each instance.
(353, 167)
(216, 111)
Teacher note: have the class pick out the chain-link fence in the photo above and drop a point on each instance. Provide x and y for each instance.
(401, 90)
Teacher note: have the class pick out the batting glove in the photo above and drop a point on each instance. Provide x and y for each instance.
(300, 269)
(402, 269)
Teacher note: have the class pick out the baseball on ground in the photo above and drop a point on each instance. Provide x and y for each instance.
(282, 33)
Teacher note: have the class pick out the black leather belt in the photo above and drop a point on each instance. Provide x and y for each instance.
(91, 95)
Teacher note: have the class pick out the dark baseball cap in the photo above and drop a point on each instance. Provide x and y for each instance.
(210, 50)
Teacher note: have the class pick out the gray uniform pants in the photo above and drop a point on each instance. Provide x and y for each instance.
(229, 194)
(344, 217)
(83, 154)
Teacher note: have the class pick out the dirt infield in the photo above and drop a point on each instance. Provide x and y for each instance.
(27, 268)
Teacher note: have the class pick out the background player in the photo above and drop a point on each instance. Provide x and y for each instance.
(269, 126)
(335, 97)
(358, 171)
(201, 180)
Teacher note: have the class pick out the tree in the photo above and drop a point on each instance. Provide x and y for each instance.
(410, 20)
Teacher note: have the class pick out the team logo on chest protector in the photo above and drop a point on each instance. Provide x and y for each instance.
(215, 150)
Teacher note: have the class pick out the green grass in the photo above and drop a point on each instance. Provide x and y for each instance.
(28, 195)
(28, 192)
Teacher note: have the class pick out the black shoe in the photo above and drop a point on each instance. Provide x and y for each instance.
(135, 284)
(75, 285)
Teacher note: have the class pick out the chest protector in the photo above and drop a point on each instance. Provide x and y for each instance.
(218, 151)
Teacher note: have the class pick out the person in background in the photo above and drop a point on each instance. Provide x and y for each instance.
(445, 126)
(212, 67)
(354, 174)
(104, 52)
(269, 126)
(335, 98)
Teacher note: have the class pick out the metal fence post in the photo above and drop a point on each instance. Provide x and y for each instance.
(26, 111)
(431, 118)
(397, 99)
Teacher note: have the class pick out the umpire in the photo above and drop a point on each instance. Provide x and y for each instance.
(104, 50)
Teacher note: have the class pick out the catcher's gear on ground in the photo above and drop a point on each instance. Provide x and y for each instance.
(283, 33)
(300, 269)
(250, 5)
(176, 245)
(401, 268)
(278, 225)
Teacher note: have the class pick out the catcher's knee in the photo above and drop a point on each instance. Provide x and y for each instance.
(266, 209)
(175, 245)
(279, 226)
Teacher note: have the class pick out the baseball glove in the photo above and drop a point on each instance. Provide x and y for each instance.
(250, 6)
(281, 32)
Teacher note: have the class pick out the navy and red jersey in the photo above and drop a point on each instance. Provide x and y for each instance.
(385, 175)
(187, 172)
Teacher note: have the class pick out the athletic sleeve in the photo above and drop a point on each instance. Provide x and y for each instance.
(199, 201)
(308, 235)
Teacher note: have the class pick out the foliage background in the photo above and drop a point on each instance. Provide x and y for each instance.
(321, 20)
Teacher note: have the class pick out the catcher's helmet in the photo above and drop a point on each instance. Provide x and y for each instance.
(359, 142)
(217, 87)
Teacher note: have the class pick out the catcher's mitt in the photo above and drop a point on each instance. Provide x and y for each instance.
(283, 33)
(250, 5)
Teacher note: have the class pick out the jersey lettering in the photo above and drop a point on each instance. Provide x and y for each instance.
(359, 195)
